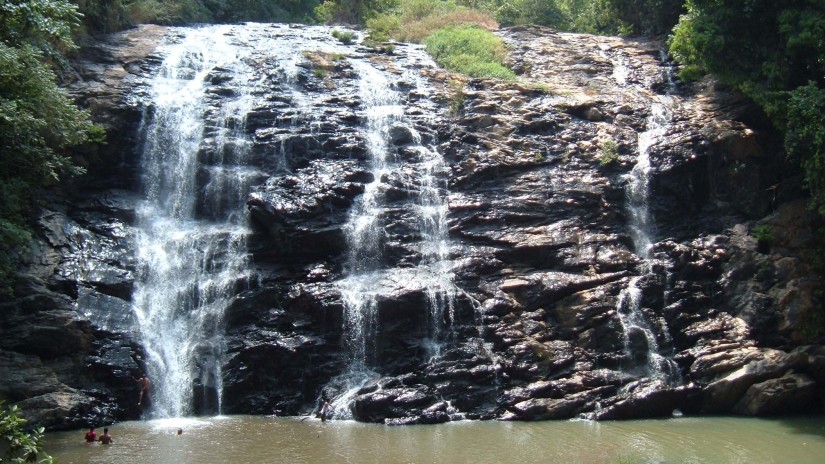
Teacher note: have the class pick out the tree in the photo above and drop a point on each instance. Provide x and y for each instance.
(21, 446)
(773, 53)
(38, 121)
(805, 138)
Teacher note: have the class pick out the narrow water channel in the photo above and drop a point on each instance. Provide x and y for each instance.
(239, 439)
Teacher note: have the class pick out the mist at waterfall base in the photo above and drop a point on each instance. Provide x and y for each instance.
(278, 440)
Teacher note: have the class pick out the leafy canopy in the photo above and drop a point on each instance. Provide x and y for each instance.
(38, 121)
(774, 53)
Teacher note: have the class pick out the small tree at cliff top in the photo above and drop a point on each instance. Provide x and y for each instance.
(16, 444)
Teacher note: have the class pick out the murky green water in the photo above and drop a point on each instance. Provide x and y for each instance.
(241, 439)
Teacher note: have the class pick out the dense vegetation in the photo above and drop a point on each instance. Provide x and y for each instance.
(38, 122)
(596, 16)
(114, 15)
(774, 53)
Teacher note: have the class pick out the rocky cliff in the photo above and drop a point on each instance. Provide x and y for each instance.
(556, 312)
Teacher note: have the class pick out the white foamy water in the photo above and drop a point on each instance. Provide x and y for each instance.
(369, 273)
(191, 253)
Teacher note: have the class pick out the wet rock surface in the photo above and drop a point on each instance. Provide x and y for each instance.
(541, 251)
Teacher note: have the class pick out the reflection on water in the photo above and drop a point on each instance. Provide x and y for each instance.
(290, 440)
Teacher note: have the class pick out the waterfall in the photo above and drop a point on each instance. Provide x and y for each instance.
(369, 273)
(638, 189)
(191, 255)
(639, 334)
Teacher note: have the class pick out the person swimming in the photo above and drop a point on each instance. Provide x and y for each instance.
(105, 439)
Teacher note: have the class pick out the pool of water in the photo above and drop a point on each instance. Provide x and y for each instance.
(248, 439)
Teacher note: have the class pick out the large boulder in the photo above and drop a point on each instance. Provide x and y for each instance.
(789, 394)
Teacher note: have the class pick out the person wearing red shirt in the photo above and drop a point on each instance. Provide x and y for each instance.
(90, 435)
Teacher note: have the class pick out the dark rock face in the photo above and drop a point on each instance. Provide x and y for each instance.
(541, 249)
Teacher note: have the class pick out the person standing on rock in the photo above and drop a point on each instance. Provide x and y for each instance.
(324, 410)
(90, 436)
(145, 386)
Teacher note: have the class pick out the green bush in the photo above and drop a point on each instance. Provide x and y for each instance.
(774, 54)
(805, 138)
(103, 16)
(458, 97)
(469, 50)
(763, 233)
(345, 37)
(609, 152)
(382, 27)
(544, 12)
(17, 444)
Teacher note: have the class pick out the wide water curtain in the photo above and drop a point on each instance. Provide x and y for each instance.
(192, 226)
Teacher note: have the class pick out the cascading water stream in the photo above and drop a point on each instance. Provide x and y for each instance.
(191, 250)
(635, 324)
(369, 275)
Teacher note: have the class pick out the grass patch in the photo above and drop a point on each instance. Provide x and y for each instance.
(345, 37)
(458, 97)
(610, 152)
(419, 29)
(469, 50)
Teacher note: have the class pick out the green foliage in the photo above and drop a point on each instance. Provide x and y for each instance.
(352, 11)
(345, 37)
(38, 121)
(753, 44)
(763, 233)
(458, 97)
(609, 152)
(45, 25)
(805, 138)
(653, 17)
(20, 445)
(773, 53)
(544, 12)
(415, 10)
(469, 50)
(626, 17)
(173, 12)
(382, 27)
(103, 16)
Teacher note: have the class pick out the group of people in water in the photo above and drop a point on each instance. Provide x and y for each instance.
(106, 439)
(143, 398)
(91, 436)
